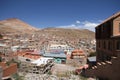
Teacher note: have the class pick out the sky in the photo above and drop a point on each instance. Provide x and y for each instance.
(80, 14)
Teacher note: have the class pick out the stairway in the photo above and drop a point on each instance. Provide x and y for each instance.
(108, 70)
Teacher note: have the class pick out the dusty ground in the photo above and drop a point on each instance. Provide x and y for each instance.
(58, 72)
(62, 68)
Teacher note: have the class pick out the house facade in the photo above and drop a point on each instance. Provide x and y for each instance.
(108, 50)
(108, 38)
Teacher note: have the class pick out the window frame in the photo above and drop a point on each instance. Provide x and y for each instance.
(117, 45)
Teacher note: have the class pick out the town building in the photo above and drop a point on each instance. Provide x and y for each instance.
(59, 46)
(76, 54)
(6, 71)
(77, 58)
(32, 62)
(28, 56)
(108, 38)
(58, 55)
(108, 50)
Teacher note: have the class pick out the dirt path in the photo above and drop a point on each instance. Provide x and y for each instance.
(61, 68)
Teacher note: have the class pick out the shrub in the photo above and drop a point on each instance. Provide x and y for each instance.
(92, 54)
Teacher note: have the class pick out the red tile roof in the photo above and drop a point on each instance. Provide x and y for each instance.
(8, 70)
(29, 55)
(78, 52)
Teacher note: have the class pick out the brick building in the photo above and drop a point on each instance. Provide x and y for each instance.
(108, 38)
(7, 71)
(108, 50)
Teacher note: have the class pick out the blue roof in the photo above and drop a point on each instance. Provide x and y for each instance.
(54, 55)
(91, 59)
(57, 51)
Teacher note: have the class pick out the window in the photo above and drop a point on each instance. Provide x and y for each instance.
(99, 44)
(109, 45)
(118, 45)
(104, 45)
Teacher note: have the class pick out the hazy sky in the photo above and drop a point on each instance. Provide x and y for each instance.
(59, 13)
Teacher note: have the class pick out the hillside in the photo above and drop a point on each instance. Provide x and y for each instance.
(67, 33)
(15, 25)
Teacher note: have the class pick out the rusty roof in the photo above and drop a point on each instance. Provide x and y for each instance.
(29, 55)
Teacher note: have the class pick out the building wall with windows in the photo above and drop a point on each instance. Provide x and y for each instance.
(59, 46)
(108, 38)
(108, 50)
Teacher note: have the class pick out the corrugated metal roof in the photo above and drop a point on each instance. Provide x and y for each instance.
(54, 55)
(91, 59)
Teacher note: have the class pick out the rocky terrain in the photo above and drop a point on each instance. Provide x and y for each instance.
(14, 25)
(67, 33)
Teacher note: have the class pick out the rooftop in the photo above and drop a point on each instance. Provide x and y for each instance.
(42, 60)
(29, 55)
(78, 52)
(54, 55)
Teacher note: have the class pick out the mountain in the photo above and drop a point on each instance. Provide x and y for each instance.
(67, 33)
(15, 25)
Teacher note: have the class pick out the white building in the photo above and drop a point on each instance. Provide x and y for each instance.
(42, 60)
(59, 46)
